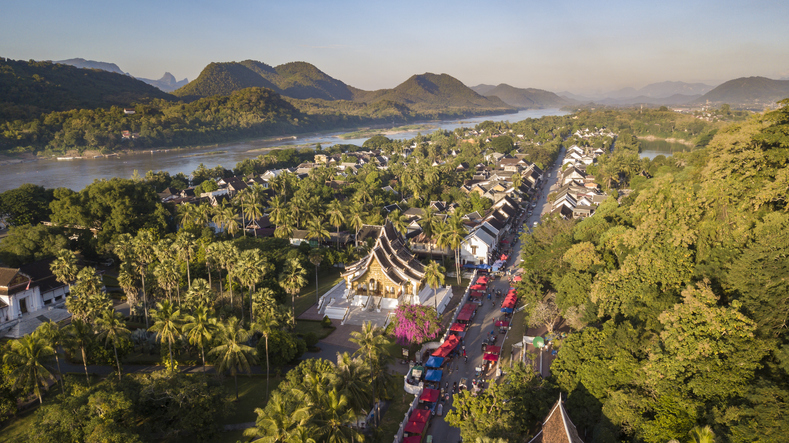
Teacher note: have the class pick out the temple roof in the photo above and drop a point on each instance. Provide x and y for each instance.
(391, 253)
(557, 427)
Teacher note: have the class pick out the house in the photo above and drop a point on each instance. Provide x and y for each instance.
(128, 111)
(557, 427)
(28, 294)
(234, 185)
(477, 248)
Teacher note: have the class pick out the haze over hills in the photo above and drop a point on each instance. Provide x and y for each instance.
(28, 89)
(662, 93)
(167, 83)
(528, 98)
(755, 91)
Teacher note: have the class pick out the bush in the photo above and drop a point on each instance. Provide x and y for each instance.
(282, 348)
(310, 339)
(326, 322)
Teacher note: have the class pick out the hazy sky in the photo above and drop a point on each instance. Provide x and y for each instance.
(370, 44)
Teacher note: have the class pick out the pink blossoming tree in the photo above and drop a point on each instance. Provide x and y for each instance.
(415, 324)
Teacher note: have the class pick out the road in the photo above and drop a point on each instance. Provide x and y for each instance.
(483, 321)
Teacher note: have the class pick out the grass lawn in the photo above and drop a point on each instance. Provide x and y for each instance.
(326, 281)
(16, 429)
(251, 395)
(304, 327)
(390, 422)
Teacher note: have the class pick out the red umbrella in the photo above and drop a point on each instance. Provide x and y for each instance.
(477, 293)
(502, 324)
(517, 278)
(491, 357)
(413, 439)
(457, 327)
(493, 349)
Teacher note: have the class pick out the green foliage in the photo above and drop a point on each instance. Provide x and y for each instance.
(27, 243)
(27, 204)
(283, 348)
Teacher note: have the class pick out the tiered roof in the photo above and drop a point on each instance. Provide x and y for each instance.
(391, 253)
(557, 428)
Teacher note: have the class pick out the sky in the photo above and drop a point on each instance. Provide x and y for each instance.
(584, 47)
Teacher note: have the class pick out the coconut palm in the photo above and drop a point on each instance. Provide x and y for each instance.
(54, 337)
(372, 347)
(285, 229)
(316, 231)
(278, 212)
(399, 221)
(199, 329)
(356, 219)
(292, 279)
(78, 335)
(336, 217)
(128, 284)
(112, 328)
(267, 322)
(143, 256)
(167, 324)
(232, 354)
(280, 419)
(26, 358)
(352, 380)
(64, 267)
(253, 206)
(199, 295)
(453, 235)
(184, 246)
(226, 256)
(702, 435)
(333, 417)
(434, 275)
(187, 215)
(166, 273)
(316, 257)
(249, 271)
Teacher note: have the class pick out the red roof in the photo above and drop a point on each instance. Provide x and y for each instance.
(477, 293)
(413, 439)
(415, 427)
(491, 357)
(493, 349)
(421, 415)
(457, 327)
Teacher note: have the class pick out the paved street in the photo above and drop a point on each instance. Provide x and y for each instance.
(483, 321)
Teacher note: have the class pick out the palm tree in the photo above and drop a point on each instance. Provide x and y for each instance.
(199, 295)
(79, 334)
(26, 359)
(453, 237)
(316, 258)
(187, 214)
(227, 219)
(144, 255)
(199, 329)
(232, 354)
(399, 221)
(292, 279)
(112, 329)
(355, 215)
(316, 231)
(249, 270)
(372, 348)
(227, 256)
(128, 283)
(166, 274)
(280, 419)
(267, 323)
(702, 435)
(336, 217)
(64, 267)
(167, 323)
(284, 230)
(184, 246)
(278, 211)
(334, 415)
(54, 337)
(434, 275)
(351, 379)
(254, 203)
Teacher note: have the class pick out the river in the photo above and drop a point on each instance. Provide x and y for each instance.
(77, 174)
(652, 148)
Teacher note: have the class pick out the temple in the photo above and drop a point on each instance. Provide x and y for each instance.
(389, 271)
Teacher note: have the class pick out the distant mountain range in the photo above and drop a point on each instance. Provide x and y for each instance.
(529, 98)
(167, 83)
(301, 80)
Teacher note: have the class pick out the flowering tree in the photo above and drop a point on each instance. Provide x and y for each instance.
(415, 324)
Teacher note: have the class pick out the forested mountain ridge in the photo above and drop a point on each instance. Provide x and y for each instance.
(677, 293)
(757, 91)
(28, 89)
(528, 98)
(296, 80)
(92, 64)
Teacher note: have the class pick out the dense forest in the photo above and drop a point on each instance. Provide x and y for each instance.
(677, 291)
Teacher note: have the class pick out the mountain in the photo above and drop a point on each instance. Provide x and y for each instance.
(167, 83)
(669, 88)
(30, 88)
(529, 98)
(296, 80)
(92, 64)
(432, 91)
(748, 91)
(676, 99)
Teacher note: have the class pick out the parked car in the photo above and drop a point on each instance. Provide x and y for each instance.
(535, 224)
